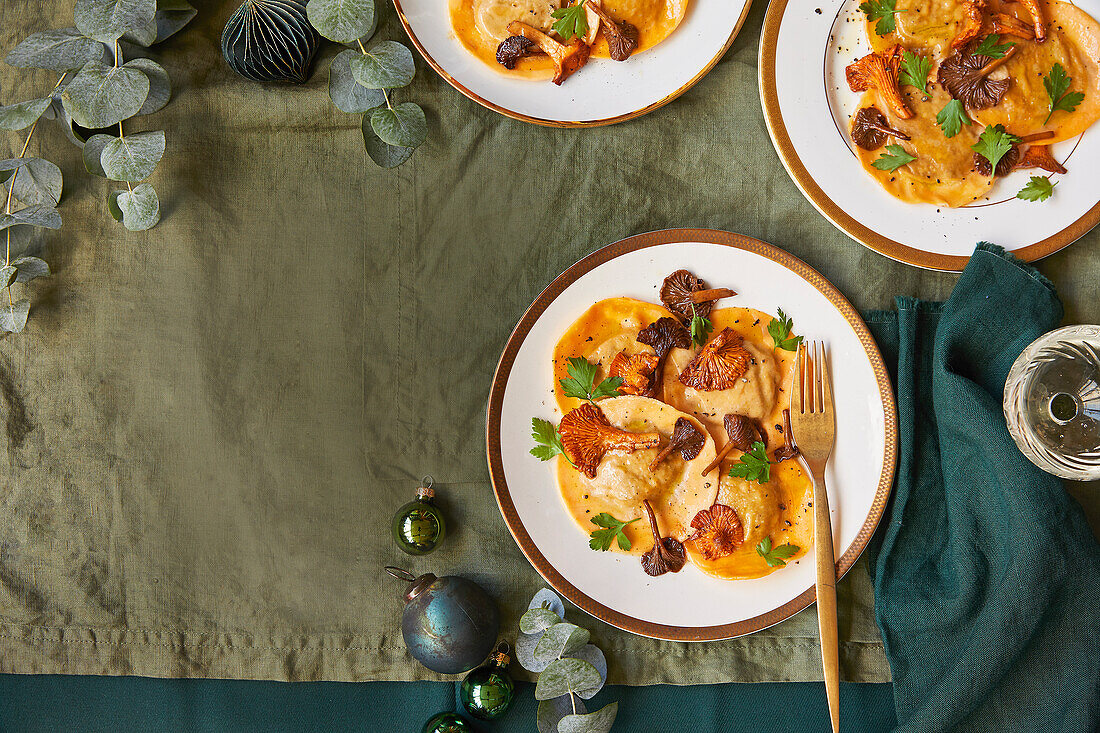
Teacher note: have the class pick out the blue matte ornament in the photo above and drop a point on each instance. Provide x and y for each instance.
(449, 624)
(447, 723)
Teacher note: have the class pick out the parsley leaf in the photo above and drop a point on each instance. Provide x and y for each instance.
(780, 331)
(754, 465)
(895, 157)
(571, 21)
(581, 383)
(992, 47)
(547, 440)
(952, 118)
(883, 11)
(915, 70)
(993, 143)
(778, 556)
(612, 531)
(1039, 188)
(1057, 86)
(700, 328)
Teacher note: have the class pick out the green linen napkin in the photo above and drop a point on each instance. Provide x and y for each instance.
(987, 582)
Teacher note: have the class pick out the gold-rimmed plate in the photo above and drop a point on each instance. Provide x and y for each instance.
(687, 606)
(601, 93)
(803, 51)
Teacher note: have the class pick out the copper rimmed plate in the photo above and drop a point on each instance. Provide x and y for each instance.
(688, 606)
(602, 93)
(803, 51)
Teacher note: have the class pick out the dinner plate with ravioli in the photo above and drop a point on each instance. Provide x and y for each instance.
(921, 128)
(571, 63)
(639, 438)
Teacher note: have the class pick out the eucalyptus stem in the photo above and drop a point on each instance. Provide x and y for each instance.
(360, 42)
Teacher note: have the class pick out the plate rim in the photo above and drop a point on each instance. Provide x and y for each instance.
(600, 122)
(781, 140)
(495, 402)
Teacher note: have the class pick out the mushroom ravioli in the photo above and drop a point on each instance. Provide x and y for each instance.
(961, 92)
(674, 443)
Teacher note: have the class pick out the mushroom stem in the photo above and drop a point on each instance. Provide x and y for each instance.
(662, 455)
(985, 70)
(1037, 136)
(718, 458)
(699, 296)
(887, 130)
(652, 522)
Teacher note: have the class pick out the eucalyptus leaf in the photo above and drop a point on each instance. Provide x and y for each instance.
(595, 657)
(93, 151)
(102, 96)
(385, 65)
(140, 208)
(597, 722)
(37, 180)
(28, 268)
(547, 598)
(133, 157)
(525, 652)
(7, 275)
(39, 215)
(404, 125)
(13, 317)
(57, 50)
(112, 205)
(551, 712)
(22, 114)
(160, 86)
(172, 16)
(347, 94)
(560, 639)
(384, 155)
(109, 20)
(343, 21)
(538, 619)
(20, 238)
(564, 677)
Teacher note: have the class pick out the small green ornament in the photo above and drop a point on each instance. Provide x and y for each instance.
(447, 723)
(488, 691)
(419, 527)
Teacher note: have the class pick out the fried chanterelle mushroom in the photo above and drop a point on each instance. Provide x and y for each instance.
(1010, 159)
(688, 296)
(879, 71)
(512, 49)
(685, 438)
(1004, 24)
(972, 26)
(663, 335)
(567, 59)
(667, 555)
(1039, 156)
(871, 130)
(1038, 22)
(788, 450)
(622, 37)
(966, 78)
(636, 371)
(719, 364)
(718, 531)
(742, 432)
(587, 435)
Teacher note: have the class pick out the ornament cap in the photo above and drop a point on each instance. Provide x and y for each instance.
(416, 585)
(500, 656)
(425, 493)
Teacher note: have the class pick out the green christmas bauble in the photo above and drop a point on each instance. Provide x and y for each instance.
(447, 723)
(488, 691)
(419, 527)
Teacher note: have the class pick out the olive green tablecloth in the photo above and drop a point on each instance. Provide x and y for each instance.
(208, 425)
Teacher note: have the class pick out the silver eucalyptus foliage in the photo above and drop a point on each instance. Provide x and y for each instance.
(97, 92)
(570, 670)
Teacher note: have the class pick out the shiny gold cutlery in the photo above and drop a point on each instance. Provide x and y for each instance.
(813, 428)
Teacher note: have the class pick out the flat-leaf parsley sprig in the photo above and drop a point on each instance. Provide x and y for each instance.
(884, 11)
(780, 331)
(1060, 97)
(611, 531)
(754, 465)
(547, 441)
(571, 21)
(1039, 188)
(581, 382)
(895, 157)
(776, 557)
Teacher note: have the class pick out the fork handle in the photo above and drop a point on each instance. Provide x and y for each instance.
(826, 596)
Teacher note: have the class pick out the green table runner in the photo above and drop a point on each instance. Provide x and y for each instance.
(209, 424)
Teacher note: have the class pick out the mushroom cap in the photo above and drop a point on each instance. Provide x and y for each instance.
(676, 293)
(664, 335)
(879, 71)
(512, 49)
(622, 40)
(869, 129)
(587, 435)
(961, 75)
(667, 554)
(1040, 156)
(567, 59)
(1005, 165)
(742, 431)
(636, 371)
(719, 364)
(687, 439)
(975, 20)
(718, 531)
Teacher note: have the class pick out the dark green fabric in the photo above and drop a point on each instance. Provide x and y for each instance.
(207, 426)
(987, 583)
(33, 704)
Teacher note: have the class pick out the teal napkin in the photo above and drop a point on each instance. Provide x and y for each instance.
(987, 580)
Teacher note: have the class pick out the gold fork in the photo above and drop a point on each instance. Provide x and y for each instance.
(813, 424)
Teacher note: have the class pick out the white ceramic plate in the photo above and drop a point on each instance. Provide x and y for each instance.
(803, 52)
(687, 606)
(601, 93)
